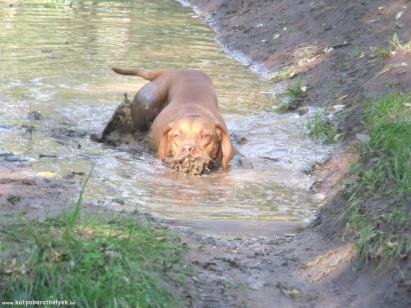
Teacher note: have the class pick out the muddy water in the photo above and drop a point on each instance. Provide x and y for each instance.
(56, 60)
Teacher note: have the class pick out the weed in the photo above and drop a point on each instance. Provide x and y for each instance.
(397, 45)
(395, 42)
(380, 53)
(357, 53)
(295, 90)
(282, 107)
(295, 94)
(74, 215)
(377, 215)
(320, 128)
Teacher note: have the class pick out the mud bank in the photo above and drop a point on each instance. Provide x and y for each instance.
(339, 49)
(344, 53)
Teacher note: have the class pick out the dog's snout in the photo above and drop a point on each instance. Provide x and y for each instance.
(188, 148)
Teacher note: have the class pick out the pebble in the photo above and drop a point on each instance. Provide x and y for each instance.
(399, 15)
(338, 108)
(276, 36)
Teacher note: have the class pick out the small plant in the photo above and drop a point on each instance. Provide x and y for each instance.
(282, 107)
(320, 128)
(74, 215)
(295, 94)
(397, 45)
(295, 90)
(395, 42)
(357, 53)
(381, 53)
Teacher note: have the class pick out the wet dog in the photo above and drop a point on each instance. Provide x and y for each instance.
(179, 110)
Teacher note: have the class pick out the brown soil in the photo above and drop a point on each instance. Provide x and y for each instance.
(33, 196)
(311, 269)
(332, 45)
(282, 271)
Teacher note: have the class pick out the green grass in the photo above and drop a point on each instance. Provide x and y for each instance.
(397, 45)
(295, 89)
(94, 261)
(379, 194)
(295, 94)
(380, 53)
(282, 107)
(319, 128)
(383, 53)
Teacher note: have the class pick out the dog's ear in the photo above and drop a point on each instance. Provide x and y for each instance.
(163, 149)
(226, 147)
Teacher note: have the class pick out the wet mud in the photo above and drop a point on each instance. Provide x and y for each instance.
(24, 194)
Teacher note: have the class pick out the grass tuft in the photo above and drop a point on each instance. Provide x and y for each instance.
(379, 195)
(380, 53)
(397, 45)
(295, 90)
(319, 128)
(295, 95)
(74, 215)
(395, 42)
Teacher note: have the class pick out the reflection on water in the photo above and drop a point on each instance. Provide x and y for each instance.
(56, 60)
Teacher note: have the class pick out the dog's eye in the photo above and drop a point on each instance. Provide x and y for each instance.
(176, 136)
(205, 136)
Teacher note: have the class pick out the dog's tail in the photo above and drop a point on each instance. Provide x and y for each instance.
(148, 75)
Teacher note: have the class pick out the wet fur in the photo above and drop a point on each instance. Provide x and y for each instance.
(171, 95)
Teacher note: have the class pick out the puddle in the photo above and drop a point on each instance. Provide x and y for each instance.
(56, 60)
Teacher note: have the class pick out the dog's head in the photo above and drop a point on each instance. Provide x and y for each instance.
(197, 137)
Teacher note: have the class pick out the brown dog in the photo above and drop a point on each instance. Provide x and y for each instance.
(179, 109)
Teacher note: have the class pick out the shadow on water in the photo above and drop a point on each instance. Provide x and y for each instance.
(56, 60)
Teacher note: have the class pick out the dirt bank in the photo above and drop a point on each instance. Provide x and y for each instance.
(340, 49)
(29, 195)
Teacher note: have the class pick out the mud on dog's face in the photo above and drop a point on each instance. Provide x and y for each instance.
(196, 136)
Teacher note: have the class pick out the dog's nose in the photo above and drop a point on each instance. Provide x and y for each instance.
(188, 148)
